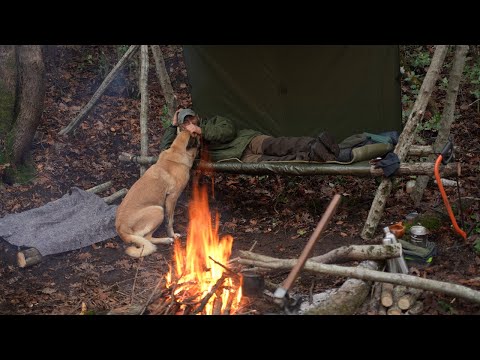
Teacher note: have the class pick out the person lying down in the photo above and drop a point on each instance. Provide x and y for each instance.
(225, 142)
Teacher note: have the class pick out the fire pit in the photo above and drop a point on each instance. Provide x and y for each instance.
(199, 282)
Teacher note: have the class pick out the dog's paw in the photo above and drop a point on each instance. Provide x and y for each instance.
(165, 241)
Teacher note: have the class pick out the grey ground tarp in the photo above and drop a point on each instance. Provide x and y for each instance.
(74, 221)
(295, 90)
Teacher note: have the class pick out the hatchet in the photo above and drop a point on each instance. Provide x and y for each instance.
(281, 292)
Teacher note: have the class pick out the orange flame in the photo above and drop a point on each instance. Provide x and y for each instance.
(194, 265)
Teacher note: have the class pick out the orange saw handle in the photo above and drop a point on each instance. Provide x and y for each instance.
(447, 151)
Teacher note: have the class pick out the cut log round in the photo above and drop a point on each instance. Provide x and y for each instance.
(394, 310)
(416, 309)
(406, 301)
(387, 295)
(28, 257)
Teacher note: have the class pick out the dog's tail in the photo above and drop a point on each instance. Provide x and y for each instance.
(142, 247)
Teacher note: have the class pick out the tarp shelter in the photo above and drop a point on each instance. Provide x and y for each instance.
(295, 90)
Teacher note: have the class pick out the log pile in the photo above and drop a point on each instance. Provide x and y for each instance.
(389, 299)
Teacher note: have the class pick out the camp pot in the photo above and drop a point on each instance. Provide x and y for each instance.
(252, 284)
(418, 235)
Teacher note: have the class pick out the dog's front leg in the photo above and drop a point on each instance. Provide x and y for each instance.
(170, 204)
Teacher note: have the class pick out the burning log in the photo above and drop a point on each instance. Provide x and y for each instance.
(217, 306)
(209, 295)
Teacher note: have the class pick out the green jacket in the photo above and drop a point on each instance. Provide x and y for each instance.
(220, 136)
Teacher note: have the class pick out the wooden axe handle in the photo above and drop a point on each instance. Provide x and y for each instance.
(313, 239)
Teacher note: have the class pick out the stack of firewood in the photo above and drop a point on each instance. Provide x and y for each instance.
(389, 299)
(399, 299)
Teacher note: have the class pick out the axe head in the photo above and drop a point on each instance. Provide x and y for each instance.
(288, 303)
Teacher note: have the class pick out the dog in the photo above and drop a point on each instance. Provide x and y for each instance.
(153, 198)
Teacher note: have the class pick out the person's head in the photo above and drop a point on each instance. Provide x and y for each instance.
(186, 116)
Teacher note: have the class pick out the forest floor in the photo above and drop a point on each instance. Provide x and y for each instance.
(273, 214)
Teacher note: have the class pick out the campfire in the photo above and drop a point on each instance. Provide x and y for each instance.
(199, 281)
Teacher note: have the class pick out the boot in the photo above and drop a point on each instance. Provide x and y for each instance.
(329, 142)
(318, 152)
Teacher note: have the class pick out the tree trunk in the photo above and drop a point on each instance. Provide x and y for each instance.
(31, 96)
(8, 84)
(447, 116)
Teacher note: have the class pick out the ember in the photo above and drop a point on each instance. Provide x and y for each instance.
(199, 281)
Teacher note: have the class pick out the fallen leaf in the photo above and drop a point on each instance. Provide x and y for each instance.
(301, 232)
(84, 256)
(111, 245)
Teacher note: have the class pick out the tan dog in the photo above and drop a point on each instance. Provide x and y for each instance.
(155, 195)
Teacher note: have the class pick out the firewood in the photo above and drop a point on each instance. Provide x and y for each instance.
(398, 292)
(394, 310)
(406, 301)
(28, 257)
(450, 289)
(345, 300)
(416, 309)
(134, 309)
(217, 306)
(382, 310)
(375, 300)
(387, 294)
(228, 307)
(209, 295)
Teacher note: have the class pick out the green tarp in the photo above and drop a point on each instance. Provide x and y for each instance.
(298, 90)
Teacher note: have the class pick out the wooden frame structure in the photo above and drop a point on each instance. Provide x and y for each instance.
(403, 148)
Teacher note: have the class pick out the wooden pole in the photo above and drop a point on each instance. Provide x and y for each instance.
(143, 104)
(447, 117)
(86, 109)
(164, 80)
(405, 140)
(100, 188)
(119, 194)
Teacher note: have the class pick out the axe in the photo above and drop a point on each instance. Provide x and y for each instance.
(281, 294)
